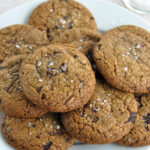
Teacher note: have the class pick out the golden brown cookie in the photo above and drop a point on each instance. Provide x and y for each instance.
(140, 134)
(20, 39)
(57, 77)
(45, 133)
(13, 101)
(57, 16)
(122, 56)
(108, 116)
(82, 39)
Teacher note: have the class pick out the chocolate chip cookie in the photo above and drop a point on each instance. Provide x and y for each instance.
(82, 39)
(13, 101)
(57, 16)
(58, 77)
(108, 116)
(20, 39)
(122, 56)
(45, 133)
(140, 134)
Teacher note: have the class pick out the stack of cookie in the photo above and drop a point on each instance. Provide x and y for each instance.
(61, 80)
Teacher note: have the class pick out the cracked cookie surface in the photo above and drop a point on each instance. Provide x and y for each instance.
(20, 39)
(13, 101)
(140, 134)
(45, 133)
(122, 56)
(83, 40)
(107, 117)
(57, 16)
(57, 77)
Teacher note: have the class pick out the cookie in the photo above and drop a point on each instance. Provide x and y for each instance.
(122, 56)
(45, 133)
(82, 39)
(58, 77)
(107, 117)
(57, 16)
(13, 101)
(20, 39)
(139, 135)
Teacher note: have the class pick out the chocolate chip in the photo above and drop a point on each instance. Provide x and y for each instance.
(132, 117)
(95, 119)
(48, 31)
(51, 133)
(147, 118)
(57, 26)
(94, 109)
(63, 67)
(70, 25)
(7, 89)
(67, 140)
(39, 89)
(47, 146)
(55, 53)
(33, 125)
(0, 100)
(60, 132)
(138, 99)
(67, 100)
(99, 46)
(1, 61)
(43, 96)
(76, 56)
(38, 136)
(148, 89)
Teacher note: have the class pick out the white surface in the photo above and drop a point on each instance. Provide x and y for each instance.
(107, 16)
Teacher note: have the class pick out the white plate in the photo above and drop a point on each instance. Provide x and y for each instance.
(107, 16)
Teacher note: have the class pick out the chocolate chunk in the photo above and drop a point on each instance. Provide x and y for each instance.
(63, 67)
(99, 46)
(76, 56)
(67, 100)
(39, 89)
(43, 96)
(57, 27)
(95, 119)
(70, 25)
(50, 72)
(94, 109)
(51, 133)
(38, 136)
(132, 117)
(7, 89)
(33, 125)
(0, 100)
(147, 118)
(67, 140)
(47, 146)
(60, 132)
(138, 99)
(1, 61)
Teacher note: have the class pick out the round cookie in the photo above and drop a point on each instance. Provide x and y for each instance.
(122, 56)
(82, 39)
(45, 133)
(20, 39)
(57, 77)
(57, 16)
(13, 101)
(107, 117)
(139, 135)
